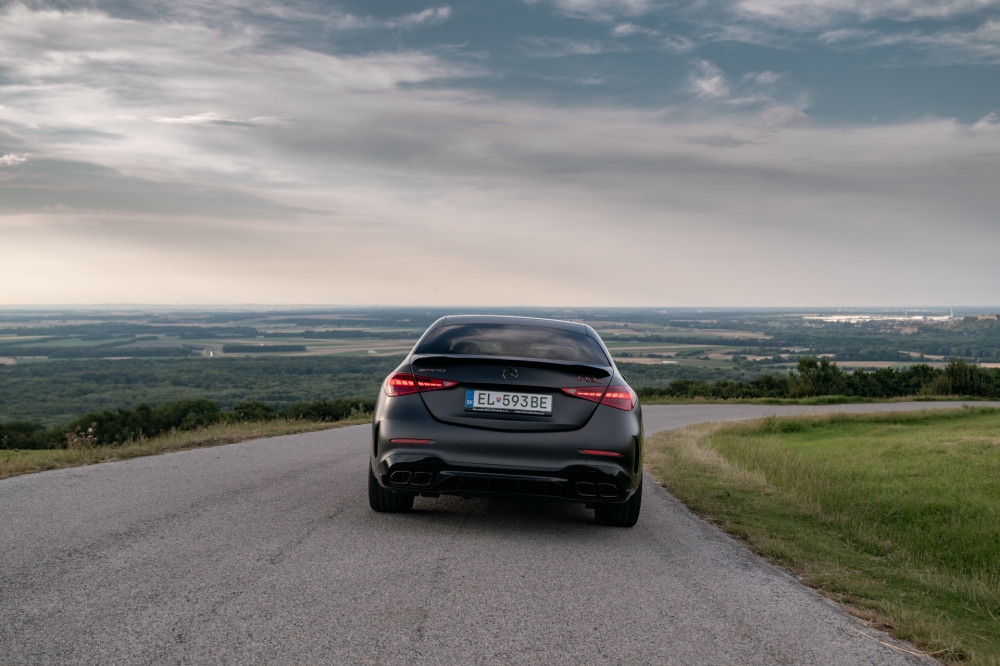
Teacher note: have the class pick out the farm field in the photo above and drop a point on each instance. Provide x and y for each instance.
(57, 364)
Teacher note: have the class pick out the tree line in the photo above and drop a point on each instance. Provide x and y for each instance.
(114, 427)
(819, 377)
(813, 378)
(54, 392)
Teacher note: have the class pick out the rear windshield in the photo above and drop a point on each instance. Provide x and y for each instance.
(513, 340)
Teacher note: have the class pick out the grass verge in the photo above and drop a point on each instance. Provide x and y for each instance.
(896, 516)
(13, 463)
(808, 401)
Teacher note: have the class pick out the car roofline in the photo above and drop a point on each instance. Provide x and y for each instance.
(453, 320)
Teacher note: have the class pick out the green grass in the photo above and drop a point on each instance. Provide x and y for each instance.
(897, 516)
(14, 463)
(807, 401)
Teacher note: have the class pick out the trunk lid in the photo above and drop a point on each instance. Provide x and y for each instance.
(509, 394)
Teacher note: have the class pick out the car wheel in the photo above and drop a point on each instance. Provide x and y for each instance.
(625, 514)
(384, 500)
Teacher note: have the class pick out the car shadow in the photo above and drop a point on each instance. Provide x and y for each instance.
(500, 512)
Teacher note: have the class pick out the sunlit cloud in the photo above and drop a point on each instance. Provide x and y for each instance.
(212, 118)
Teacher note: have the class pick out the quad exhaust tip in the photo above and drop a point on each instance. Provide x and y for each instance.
(607, 491)
(601, 490)
(404, 478)
(421, 479)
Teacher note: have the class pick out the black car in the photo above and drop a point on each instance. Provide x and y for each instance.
(508, 406)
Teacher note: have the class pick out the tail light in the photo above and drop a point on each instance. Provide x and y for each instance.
(620, 397)
(402, 383)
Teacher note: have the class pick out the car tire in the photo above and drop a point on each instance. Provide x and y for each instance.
(384, 500)
(625, 514)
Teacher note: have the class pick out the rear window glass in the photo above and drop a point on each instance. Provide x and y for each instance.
(512, 340)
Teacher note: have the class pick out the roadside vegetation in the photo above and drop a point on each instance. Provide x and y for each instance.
(820, 378)
(52, 393)
(123, 433)
(14, 462)
(896, 516)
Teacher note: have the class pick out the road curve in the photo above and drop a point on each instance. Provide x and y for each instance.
(266, 552)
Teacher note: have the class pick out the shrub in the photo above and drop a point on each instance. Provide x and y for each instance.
(329, 410)
(26, 435)
(252, 411)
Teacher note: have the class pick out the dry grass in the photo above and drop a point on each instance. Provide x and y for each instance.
(14, 462)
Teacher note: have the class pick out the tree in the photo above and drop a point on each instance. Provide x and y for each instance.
(816, 378)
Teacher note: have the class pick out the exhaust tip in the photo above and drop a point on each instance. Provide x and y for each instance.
(401, 478)
(608, 491)
(421, 479)
(586, 489)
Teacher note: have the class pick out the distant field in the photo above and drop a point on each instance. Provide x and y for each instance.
(61, 364)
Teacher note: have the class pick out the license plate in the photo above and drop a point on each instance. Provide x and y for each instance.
(508, 403)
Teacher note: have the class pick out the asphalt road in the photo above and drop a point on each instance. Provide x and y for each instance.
(266, 552)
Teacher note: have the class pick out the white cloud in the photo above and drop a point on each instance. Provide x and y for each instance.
(944, 46)
(601, 10)
(815, 14)
(212, 118)
(988, 124)
(430, 16)
(957, 47)
(85, 82)
(560, 47)
(674, 43)
(427, 17)
(630, 29)
(11, 159)
(709, 82)
(849, 36)
(923, 32)
(226, 13)
(766, 78)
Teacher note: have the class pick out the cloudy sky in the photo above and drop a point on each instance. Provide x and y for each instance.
(500, 152)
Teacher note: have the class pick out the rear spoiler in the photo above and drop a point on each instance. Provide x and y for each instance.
(599, 371)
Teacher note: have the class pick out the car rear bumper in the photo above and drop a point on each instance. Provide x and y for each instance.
(457, 460)
(598, 482)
